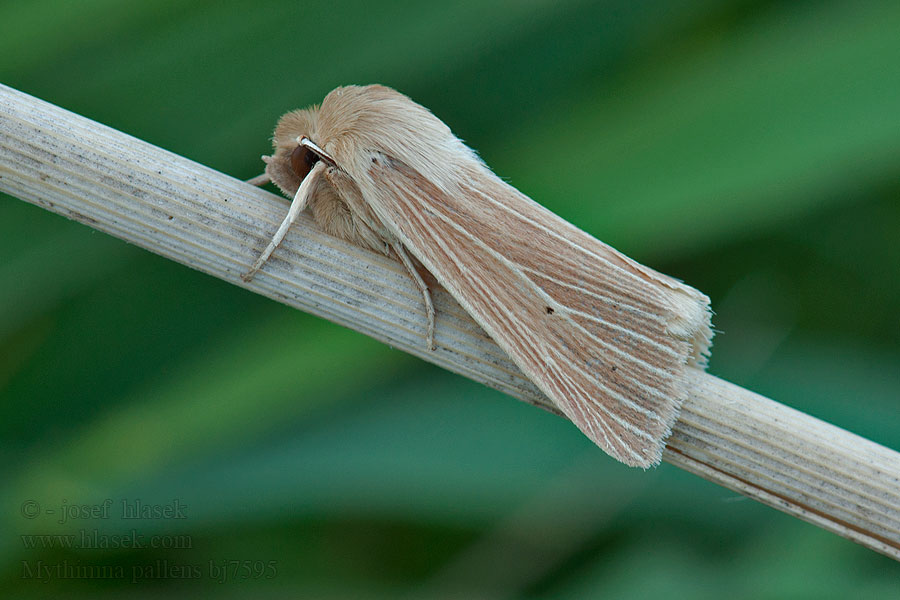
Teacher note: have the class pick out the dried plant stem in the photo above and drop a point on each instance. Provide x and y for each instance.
(217, 224)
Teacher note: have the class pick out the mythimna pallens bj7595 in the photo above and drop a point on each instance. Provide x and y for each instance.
(607, 339)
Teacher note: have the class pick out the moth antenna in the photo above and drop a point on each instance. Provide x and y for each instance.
(323, 156)
(298, 204)
(423, 287)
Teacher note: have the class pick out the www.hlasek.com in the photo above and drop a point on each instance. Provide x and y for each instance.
(93, 539)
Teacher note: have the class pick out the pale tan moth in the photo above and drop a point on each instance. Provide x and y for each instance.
(607, 339)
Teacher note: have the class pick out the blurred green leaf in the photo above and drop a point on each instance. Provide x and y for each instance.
(722, 136)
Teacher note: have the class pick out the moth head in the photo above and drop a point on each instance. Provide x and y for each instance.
(296, 152)
(355, 124)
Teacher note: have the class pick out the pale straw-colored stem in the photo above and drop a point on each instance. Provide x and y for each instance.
(217, 224)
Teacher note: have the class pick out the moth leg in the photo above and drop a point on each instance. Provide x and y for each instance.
(298, 204)
(263, 179)
(429, 307)
(259, 180)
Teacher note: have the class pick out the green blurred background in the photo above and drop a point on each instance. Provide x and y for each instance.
(749, 148)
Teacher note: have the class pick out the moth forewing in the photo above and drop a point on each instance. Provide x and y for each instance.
(590, 333)
(607, 339)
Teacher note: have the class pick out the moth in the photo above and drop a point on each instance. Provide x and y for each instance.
(607, 339)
